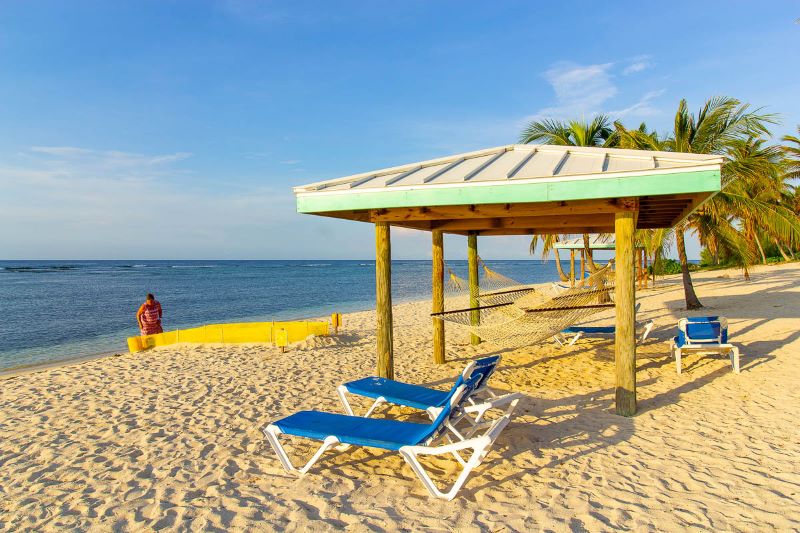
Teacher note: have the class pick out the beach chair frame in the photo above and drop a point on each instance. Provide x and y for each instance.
(479, 446)
(569, 338)
(472, 410)
(717, 344)
(433, 411)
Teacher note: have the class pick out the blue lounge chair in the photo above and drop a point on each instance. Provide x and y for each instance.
(704, 334)
(383, 390)
(408, 438)
(569, 336)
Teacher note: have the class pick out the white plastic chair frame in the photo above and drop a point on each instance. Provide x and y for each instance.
(569, 339)
(473, 413)
(480, 447)
(342, 391)
(711, 345)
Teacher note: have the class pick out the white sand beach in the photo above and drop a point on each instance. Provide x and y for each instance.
(171, 439)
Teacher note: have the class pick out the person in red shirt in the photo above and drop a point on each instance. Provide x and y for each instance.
(149, 316)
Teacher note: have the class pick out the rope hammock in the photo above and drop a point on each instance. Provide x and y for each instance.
(493, 287)
(532, 316)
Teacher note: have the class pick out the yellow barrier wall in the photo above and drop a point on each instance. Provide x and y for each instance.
(230, 333)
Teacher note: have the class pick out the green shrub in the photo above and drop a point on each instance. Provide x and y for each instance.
(667, 266)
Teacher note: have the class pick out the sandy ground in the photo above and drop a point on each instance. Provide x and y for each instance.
(170, 439)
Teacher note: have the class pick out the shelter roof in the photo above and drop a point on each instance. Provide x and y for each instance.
(522, 189)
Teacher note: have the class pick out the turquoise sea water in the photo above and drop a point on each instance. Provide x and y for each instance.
(59, 310)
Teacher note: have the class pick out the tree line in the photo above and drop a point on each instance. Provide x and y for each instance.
(757, 212)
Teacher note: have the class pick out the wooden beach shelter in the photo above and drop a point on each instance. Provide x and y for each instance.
(521, 190)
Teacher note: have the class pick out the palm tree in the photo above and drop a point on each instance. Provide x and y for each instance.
(548, 240)
(598, 132)
(792, 154)
(655, 243)
(720, 123)
(792, 161)
(761, 196)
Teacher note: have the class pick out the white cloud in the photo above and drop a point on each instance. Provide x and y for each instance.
(291, 161)
(642, 108)
(638, 64)
(89, 203)
(83, 162)
(580, 90)
(59, 151)
(583, 91)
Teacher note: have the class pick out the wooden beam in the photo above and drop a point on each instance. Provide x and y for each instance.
(578, 207)
(437, 285)
(625, 295)
(550, 222)
(474, 300)
(583, 265)
(383, 300)
(605, 228)
(628, 204)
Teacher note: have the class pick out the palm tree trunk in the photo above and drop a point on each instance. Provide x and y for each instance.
(561, 274)
(780, 249)
(760, 248)
(692, 302)
(653, 269)
(588, 251)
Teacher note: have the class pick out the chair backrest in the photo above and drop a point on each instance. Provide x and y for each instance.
(703, 330)
(458, 393)
(484, 368)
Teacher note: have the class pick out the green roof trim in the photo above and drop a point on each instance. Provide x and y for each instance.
(565, 189)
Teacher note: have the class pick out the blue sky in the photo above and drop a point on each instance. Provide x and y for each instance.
(159, 129)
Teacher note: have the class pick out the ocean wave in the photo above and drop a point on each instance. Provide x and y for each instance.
(193, 266)
(40, 268)
(316, 265)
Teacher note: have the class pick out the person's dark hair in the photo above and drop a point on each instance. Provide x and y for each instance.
(150, 297)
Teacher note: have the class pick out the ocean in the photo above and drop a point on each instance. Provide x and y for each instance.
(61, 310)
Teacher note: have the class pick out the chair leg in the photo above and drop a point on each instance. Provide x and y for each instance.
(378, 401)
(648, 327)
(575, 338)
(678, 360)
(735, 359)
(342, 391)
(272, 432)
(478, 445)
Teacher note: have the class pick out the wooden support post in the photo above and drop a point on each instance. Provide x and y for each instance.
(474, 301)
(572, 268)
(437, 285)
(583, 266)
(383, 300)
(625, 296)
